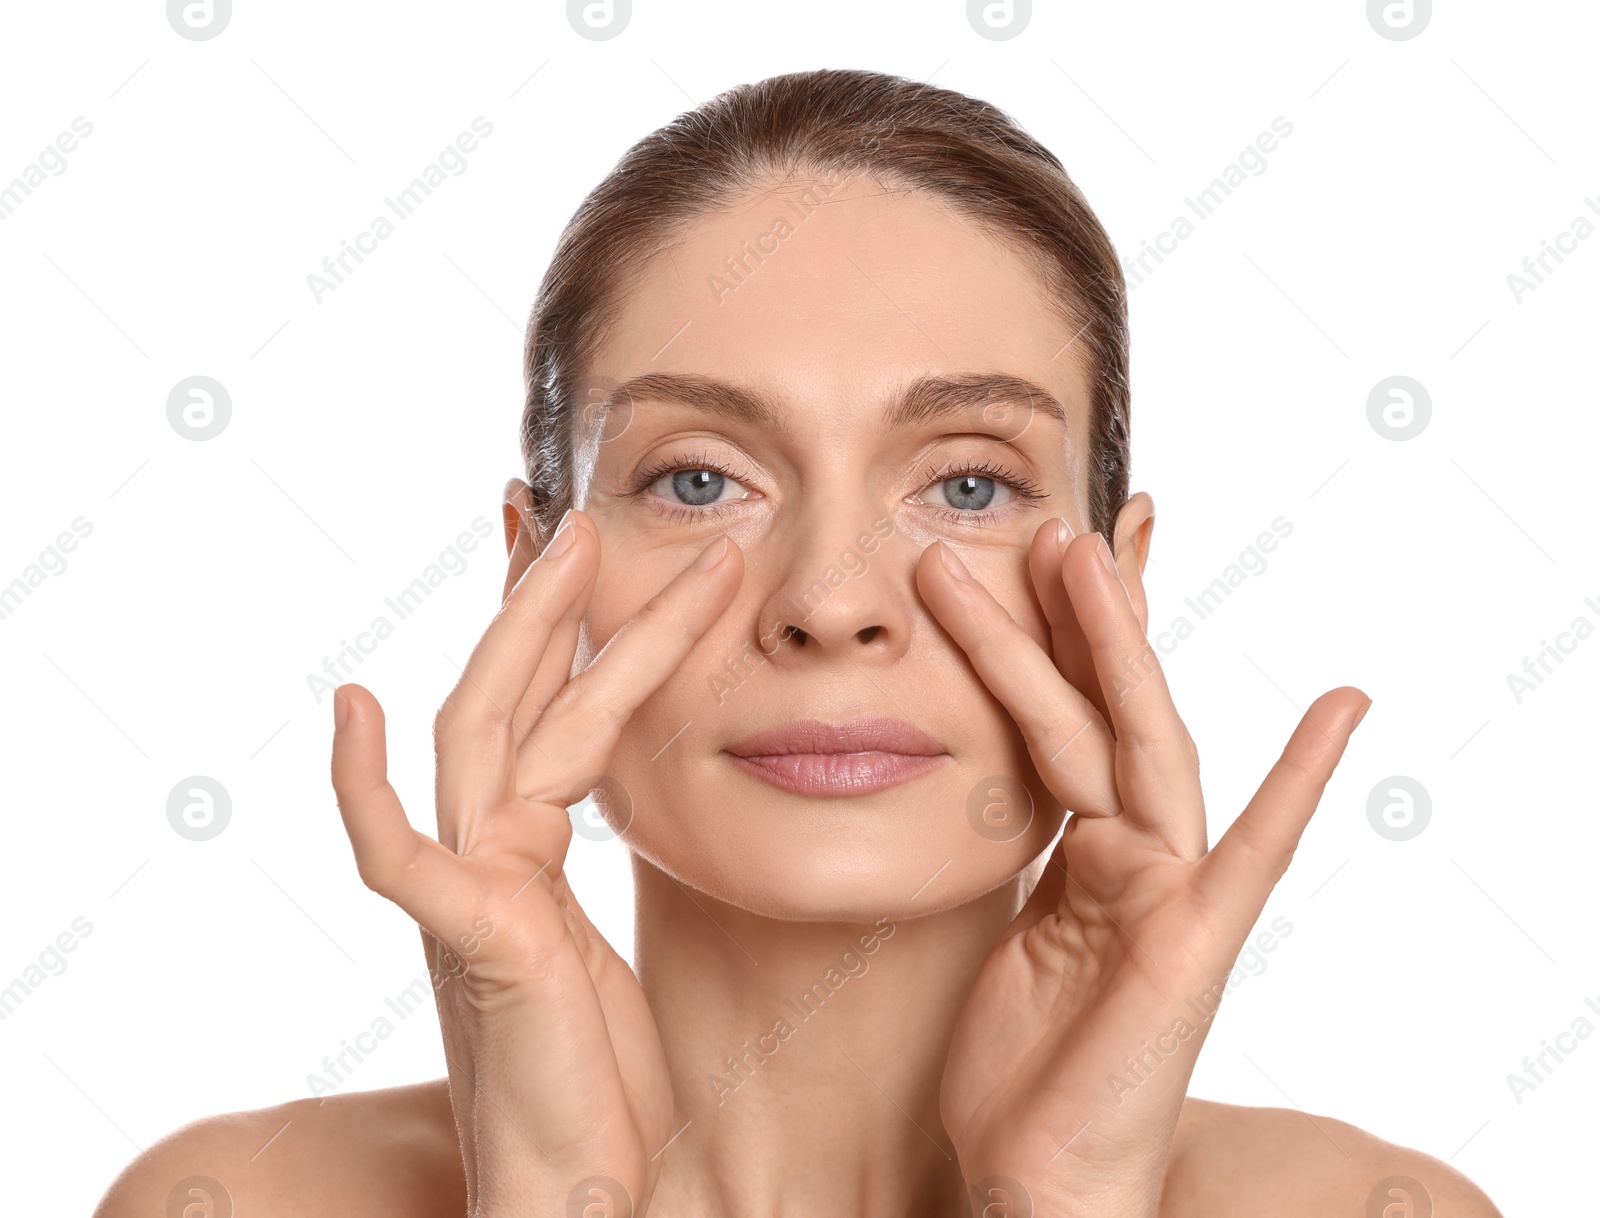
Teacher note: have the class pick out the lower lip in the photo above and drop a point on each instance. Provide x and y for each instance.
(837, 773)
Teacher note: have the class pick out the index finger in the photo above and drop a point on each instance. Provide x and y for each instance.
(575, 736)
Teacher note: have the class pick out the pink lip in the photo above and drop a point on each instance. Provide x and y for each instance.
(857, 757)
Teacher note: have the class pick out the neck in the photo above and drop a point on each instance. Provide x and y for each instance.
(813, 1043)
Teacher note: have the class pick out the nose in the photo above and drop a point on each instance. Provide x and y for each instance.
(841, 589)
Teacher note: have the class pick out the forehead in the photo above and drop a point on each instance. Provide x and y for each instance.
(830, 295)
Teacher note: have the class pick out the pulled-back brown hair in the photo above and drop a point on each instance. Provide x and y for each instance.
(903, 133)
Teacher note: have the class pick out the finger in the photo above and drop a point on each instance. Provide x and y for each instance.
(507, 656)
(1157, 767)
(1066, 737)
(574, 738)
(1239, 873)
(1130, 567)
(1068, 647)
(394, 860)
(565, 1032)
(473, 732)
(555, 667)
(1128, 672)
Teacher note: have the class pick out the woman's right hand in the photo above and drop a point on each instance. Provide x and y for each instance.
(558, 1082)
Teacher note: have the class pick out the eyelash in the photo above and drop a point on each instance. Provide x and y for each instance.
(1025, 490)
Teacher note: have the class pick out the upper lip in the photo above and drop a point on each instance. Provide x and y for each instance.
(865, 734)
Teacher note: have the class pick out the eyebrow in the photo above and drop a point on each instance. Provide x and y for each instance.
(935, 397)
(927, 398)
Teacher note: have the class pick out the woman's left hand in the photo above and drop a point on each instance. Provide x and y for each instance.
(1071, 1060)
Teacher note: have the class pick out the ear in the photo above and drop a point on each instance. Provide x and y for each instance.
(522, 543)
(1131, 534)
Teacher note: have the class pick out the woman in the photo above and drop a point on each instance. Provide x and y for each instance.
(827, 510)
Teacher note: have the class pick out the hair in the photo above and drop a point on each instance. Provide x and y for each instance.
(959, 150)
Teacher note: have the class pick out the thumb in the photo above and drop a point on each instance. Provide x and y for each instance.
(395, 861)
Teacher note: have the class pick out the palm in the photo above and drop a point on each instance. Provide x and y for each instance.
(1052, 1008)
(558, 1078)
(1051, 1082)
(630, 1093)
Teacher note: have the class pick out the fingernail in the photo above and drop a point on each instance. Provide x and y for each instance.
(566, 534)
(711, 555)
(953, 564)
(341, 710)
(1064, 534)
(1361, 714)
(1105, 555)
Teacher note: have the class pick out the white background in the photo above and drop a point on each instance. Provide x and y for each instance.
(370, 429)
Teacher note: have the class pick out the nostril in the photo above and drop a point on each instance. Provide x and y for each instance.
(796, 636)
(868, 634)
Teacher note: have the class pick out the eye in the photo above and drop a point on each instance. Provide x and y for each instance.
(690, 486)
(970, 492)
(698, 487)
(976, 491)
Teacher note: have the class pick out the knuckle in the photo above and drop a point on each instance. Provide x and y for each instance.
(1147, 749)
(1057, 736)
(664, 608)
(382, 879)
(446, 719)
(464, 712)
(1305, 773)
(561, 833)
(1263, 857)
(388, 873)
(612, 713)
(589, 692)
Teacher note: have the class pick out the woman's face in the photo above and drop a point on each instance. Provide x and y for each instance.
(839, 377)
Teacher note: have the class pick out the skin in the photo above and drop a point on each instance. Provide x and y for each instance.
(1005, 981)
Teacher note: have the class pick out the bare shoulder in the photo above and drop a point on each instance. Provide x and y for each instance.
(391, 1152)
(1260, 1162)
